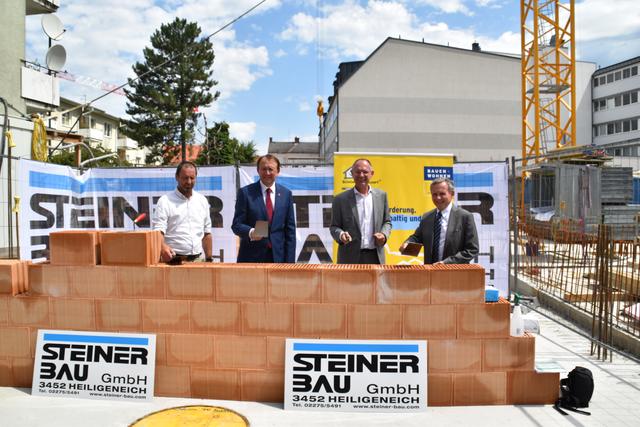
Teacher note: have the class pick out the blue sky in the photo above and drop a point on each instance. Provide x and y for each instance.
(275, 63)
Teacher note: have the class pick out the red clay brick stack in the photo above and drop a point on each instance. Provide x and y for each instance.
(221, 328)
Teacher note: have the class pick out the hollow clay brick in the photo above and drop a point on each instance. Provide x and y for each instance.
(271, 318)
(454, 356)
(118, 315)
(165, 316)
(129, 248)
(440, 390)
(29, 311)
(215, 317)
(236, 282)
(403, 284)
(48, 280)
(74, 247)
(532, 388)
(240, 352)
(189, 282)
(215, 383)
(320, 320)
(430, 321)
(14, 342)
(92, 282)
(173, 381)
(189, 349)
(487, 320)
(348, 284)
(294, 283)
(485, 388)
(509, 354)
(73, 314)
(141, 282)
(374, 321)
(262, 386)
(457, 283)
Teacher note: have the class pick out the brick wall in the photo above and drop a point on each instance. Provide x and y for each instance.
(221, 327)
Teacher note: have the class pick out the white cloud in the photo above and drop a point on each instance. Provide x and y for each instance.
(597, 19)
(243, 131)
(447, 6)
(280, 53)
(351, 30)
(304, 106)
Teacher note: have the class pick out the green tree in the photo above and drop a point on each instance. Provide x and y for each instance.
(221, 149)
(68, 157)
(163, 104)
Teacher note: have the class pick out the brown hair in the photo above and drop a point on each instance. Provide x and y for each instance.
(267, 157)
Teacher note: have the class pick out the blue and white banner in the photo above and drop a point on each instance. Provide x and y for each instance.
(56, 198)
(312, 189)
(483, 189)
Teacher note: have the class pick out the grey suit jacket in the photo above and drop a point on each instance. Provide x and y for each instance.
(461, 242)
(344, 217)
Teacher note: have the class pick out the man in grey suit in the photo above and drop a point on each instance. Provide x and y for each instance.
(448, 233)
(360, 221)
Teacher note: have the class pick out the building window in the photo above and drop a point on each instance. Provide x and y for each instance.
(603, 80)
(626, 98)
(626, 126)
(603, 104)
(610, 78)
(618, 75)
(634, 97)
(595, 105)
(66, 120)
(609, 128)
(602, 129)
(634, 70)
(626, 73)
(618, 100)
(618, 126)
(617, 152)
(634, 124)
(595, 82)
(107, 129)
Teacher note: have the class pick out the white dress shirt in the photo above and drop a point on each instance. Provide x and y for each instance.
(364, 203)
(183, 221)
(273, 194)
(444, 223)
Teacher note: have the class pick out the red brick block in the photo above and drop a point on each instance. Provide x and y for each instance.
(74, 247)
(429, 321)
(509, 354)
(276, 352)
(29, 311)
(173, 381)
(161, 349)
(165, 316)
(403, 284)
(48, 280)
(485, 388)
(348, 284)
(141, 282)
(320, 320)
(457, 283)
(440, 390)
(532, 388)
(374, 321)
(241, 282)
(22, 370)
(215, 384)
(215, 317)
(4, 310)
(93, 282)
(189, 349)
(118, 315)
(13, 277)
(240, 352)
(295, 283)
(14, 342)
(259, 318)
(130, 248)
(190, 281)
(6, 376)
(262, 386)
(446, 356)
(489, 320)
(73, 314)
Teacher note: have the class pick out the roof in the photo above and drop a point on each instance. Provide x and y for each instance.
(294, 147)
(617, 66)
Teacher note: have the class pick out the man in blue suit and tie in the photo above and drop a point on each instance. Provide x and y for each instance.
(265, 201)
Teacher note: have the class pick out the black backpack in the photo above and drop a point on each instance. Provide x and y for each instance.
(575, 391)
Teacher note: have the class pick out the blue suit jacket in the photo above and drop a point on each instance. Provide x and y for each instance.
(250, 208)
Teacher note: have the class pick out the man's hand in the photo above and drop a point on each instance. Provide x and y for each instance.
(403, 247)
(439, 262)
(166, 254)
(253, 236)
(380, 239)
(345, 237)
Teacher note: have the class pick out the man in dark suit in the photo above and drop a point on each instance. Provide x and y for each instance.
(360, 221)
(265, 201)
(448, 233)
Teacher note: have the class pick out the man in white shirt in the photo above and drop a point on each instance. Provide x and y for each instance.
(447, 232)
(360, 221)
(183, 218)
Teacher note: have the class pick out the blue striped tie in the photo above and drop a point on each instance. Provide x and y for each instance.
(437, 228)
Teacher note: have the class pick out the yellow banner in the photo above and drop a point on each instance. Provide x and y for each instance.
(406, 179)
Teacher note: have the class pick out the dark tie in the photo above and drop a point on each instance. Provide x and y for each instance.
(269, 206)
(437, 228)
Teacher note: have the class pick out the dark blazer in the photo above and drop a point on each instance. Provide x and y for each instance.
(344, 217)
(250, 208)
(461, 242)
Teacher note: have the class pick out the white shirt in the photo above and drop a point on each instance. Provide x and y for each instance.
(184, 221)
(273, 194)
(364, 203)
(444, 223)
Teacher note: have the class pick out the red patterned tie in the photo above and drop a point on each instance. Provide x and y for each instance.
(269, 206)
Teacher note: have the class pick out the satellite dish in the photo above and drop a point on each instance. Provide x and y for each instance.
(56, 57)
(52, 26)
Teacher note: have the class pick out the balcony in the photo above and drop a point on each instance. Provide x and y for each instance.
(127, 143)
(91, 134)
(39, 86)
(37, 7)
